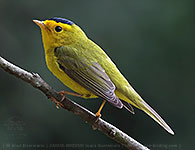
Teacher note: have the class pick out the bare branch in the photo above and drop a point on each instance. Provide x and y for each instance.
(36, 81)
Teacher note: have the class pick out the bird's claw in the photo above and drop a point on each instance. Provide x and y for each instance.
(62, 93)
(58, 104)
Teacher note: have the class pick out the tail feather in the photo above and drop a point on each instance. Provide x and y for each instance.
(147, 109)
(128, 107)
(141, 104)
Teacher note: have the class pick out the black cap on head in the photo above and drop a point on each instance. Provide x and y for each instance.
(62, 20)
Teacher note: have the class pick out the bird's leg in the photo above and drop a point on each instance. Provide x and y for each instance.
(98, 114)
(63, 94)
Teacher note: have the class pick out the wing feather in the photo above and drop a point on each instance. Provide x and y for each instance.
(89, 75)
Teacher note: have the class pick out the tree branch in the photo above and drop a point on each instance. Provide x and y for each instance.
(36, 81)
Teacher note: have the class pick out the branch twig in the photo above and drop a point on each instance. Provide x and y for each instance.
(36, 81)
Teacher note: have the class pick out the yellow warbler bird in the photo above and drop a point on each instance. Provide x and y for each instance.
(85, 68)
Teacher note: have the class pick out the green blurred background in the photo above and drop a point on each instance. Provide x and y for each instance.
(152, 42)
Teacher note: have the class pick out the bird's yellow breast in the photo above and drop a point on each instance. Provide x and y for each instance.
(52, 64)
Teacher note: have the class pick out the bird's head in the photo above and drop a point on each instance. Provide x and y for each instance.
(57, 32)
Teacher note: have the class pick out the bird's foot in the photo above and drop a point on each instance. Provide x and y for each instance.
(94, 125)
(98, 115)
(63, 94)
(58, 103)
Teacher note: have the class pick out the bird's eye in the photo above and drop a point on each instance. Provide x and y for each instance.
(58, 28)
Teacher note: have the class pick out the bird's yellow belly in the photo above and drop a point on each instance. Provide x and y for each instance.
(65, 79)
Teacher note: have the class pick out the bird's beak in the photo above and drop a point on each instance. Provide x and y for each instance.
(39, 23)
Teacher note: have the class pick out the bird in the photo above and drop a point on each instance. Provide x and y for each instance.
(83, 66)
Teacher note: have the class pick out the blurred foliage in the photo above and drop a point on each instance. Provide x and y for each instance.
(152, 42)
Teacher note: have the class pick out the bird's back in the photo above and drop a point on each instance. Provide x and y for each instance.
(123, 88)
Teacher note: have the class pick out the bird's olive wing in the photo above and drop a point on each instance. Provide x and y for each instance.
(89, 75)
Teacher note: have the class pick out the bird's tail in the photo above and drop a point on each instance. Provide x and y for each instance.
(141, 104)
